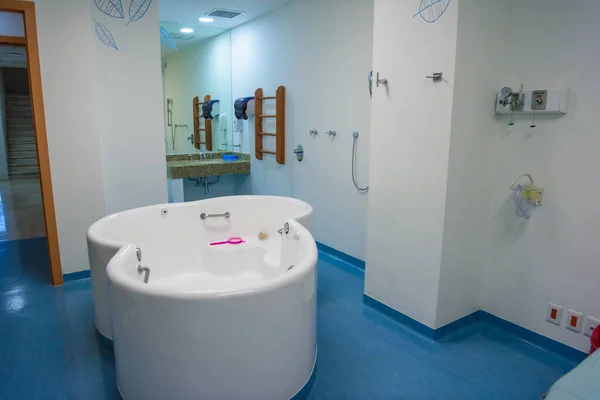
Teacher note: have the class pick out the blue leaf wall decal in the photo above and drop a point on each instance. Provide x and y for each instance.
(112, 8)
(432, 10)
(137, 9)
(165, 38)
(105, 36)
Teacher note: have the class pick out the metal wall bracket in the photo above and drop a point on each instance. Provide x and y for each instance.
(437, 77)
(383, 81)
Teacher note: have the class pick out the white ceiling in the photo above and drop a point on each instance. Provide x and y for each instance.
(182, 40)
(188, 11)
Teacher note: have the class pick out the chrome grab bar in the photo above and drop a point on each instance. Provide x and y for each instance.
(145, 271)
(224, 215)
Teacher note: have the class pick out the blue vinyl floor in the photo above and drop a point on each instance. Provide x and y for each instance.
(48, 349)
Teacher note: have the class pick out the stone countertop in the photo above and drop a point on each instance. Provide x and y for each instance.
(180, 166)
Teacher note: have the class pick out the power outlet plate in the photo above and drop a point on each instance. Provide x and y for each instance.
(554, 314)
(590, 324)
(536, 196)
(574, 321)
(539, 198)
(539, 99)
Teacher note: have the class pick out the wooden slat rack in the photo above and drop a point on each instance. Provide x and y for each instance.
(279, 116)
(207, 125)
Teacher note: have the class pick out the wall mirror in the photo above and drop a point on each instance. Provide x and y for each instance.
(196, 70)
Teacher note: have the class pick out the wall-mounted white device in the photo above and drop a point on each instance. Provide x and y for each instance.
(528, 101)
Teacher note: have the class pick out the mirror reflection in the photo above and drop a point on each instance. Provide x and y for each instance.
(196, 88)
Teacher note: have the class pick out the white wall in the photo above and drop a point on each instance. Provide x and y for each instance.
(553, 257)
(3, 142)
(11, 24)
(228, 185)
(198, 70)
(73, 141)
(411, 121)
(480, 57)
(103, 118)
(129, 112)
(321, 52)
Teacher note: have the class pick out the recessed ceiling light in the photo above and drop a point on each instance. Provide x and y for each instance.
(186, 30)
(206, 19)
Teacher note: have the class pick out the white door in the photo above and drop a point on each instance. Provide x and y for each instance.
(410, 134)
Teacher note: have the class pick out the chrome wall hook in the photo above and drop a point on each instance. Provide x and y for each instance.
(313, 132)
(383, 81)
(331, 133)
(437, 76)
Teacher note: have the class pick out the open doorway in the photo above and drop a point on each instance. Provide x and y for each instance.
(26, 197)
(21, 210)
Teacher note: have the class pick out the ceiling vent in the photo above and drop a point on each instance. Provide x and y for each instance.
(179, 36)
(220, 13)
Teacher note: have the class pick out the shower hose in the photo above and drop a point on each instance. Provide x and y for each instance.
(360, 189)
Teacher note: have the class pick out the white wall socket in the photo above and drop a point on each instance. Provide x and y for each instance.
(590, 324)
(574, 321)
(539, 198)
(554, 314)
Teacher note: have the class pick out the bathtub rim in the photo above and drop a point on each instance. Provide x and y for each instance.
(94, 233)
(119, 277)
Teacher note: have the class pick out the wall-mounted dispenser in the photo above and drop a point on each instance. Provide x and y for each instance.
(244, 107)
(210, 109)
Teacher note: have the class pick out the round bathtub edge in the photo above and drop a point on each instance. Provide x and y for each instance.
(302, 394)
(103, 341)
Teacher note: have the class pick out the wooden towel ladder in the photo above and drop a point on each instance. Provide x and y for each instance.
(279, 116)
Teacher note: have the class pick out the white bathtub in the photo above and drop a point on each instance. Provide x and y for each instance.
(213, 322)
(172, 237)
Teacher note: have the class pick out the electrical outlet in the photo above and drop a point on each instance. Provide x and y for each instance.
(554, 314)
(590, 324)
(574, 321)
(537, 197)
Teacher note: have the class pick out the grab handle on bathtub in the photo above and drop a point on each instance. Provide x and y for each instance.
(224, 215)
(145, 271)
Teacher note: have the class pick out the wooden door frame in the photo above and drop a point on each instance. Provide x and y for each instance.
(27, 9)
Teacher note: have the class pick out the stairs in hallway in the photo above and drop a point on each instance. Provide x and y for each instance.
(22, 154)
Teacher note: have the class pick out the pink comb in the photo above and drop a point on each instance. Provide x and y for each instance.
(231, 240)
